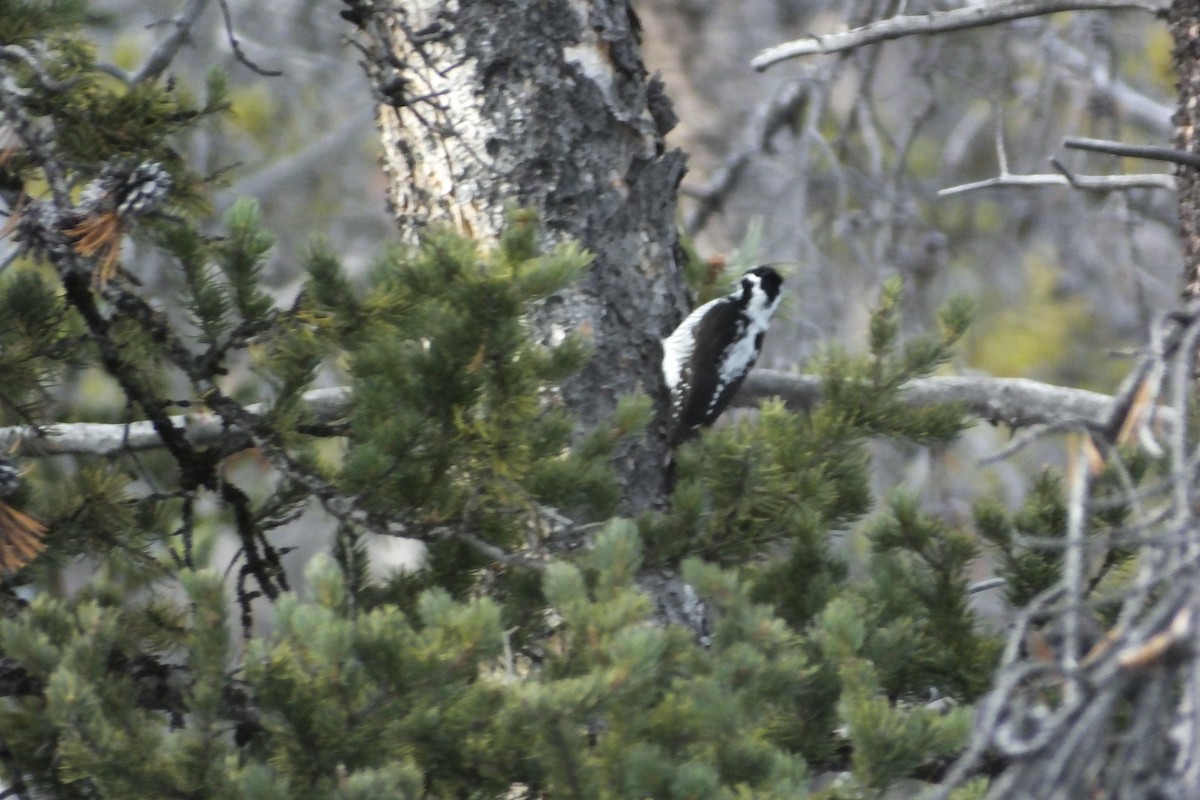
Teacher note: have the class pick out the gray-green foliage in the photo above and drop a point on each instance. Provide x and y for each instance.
(1029, 542)
(447, 416)
(423, 703)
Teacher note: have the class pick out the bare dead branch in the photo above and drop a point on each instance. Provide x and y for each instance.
(237, 46)
(973, 16)
(761, 126)
(1149, 152)
(986, 585)
(497, 554)
(1016, 402)
(1117, 715)
(18, 54)
(164, 52)
(1065, 177)
(118, 73)
(106, 439)
(1182, 374)
(1074, 577)
(1135, 106)
(1091, 183)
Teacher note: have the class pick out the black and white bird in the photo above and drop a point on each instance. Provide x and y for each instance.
(708, 356)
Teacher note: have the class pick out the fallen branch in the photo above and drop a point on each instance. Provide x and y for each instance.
(973, 16)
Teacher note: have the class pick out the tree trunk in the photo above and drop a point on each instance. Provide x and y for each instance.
(492, 105)
(1184, 19)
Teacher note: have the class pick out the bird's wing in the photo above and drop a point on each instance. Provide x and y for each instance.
(677, 348)
(708, 390)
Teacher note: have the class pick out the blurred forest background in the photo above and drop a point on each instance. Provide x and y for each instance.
(832, 164)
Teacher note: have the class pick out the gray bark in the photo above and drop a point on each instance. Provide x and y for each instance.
(487, 106)
(1184, 19)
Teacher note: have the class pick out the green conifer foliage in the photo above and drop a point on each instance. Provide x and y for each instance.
(447, 420)
(920, 562)
(1030, 542)
(36, 342)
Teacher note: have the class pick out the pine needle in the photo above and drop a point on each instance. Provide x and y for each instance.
(101, 232)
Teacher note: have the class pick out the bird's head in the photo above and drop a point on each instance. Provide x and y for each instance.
(758, 290)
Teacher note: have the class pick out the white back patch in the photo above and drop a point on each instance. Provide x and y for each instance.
(677, 348)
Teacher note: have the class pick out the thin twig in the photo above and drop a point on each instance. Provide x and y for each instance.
(1096, 183)
(1001, 150)
(237, 46)
(1066, 732)
(971, 16)
(1079, 485)
(1136, 106)
(1182, 388)
(16, 53)
(986, 585)
(1091, 183)
(1109, 183)
(1026, 437)
(491, 551)
(162, 55)
(766, 120)
(116, 72)
(1149, 152)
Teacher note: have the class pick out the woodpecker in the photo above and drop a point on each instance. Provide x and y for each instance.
(708, 356)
